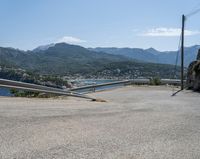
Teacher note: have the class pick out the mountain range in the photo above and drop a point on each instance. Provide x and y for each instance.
(66, 59)
(60, 58)
(152, 55)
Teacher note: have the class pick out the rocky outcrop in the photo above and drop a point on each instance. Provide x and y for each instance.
(193, 75)
(198, 55)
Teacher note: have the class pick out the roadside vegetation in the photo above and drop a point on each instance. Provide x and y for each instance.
(155, 81)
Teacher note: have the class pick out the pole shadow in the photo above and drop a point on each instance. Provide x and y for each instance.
(174, 94)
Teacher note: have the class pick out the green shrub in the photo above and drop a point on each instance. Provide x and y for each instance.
(19, 93)
(155, 81)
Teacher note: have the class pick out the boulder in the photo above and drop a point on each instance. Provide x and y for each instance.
(193, 75)
(198, 55)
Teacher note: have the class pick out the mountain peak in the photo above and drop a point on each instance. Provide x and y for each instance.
(153, 51)
(43, 47)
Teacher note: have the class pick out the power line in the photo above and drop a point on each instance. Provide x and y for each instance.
(177, 55)
(174, 74)
(194, 11)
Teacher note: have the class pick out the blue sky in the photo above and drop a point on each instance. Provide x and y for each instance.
(25, 24)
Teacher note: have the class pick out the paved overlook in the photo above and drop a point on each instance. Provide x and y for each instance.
(135, 122)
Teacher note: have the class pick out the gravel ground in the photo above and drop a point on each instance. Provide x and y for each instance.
(134, 123)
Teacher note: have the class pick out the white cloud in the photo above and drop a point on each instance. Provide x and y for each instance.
(70, 40)
(167, 32)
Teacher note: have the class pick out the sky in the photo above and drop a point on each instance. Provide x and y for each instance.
(26, 24)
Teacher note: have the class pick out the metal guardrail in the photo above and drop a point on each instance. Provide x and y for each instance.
(38, 88)
(100, 85)
(47, 91)
(29, 85)
(72, 92)
(126, 82)
(171, 81)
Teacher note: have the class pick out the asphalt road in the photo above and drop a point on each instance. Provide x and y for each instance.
(134, 123)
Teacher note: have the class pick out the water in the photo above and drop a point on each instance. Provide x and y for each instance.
(5, 92)
(84, 82)
(87, 82)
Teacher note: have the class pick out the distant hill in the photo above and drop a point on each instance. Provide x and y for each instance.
(132, 70)
(133, 53)
(152, 55)
(64, 59)
(60, 58)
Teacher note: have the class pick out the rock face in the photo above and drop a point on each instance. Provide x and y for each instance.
(198, 55)
(193, 75)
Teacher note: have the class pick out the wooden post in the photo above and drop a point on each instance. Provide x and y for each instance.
(182, 52)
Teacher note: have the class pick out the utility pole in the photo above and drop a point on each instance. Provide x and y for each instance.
(182, 52)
